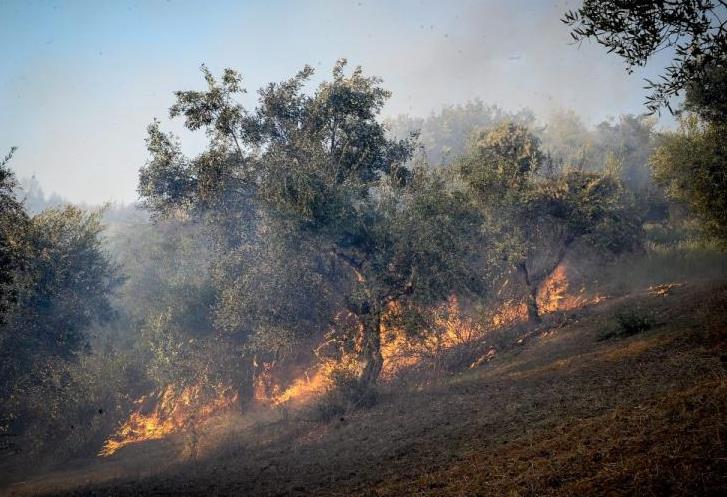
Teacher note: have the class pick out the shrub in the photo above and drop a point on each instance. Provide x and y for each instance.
(631, 321)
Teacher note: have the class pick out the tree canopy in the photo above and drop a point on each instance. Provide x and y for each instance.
(537, 218)
(314, 170)
(636, 30)
(691, 164)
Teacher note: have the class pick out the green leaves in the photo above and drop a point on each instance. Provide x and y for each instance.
(690, 163)
(636, 30)
(502, 159)
(331, 214)
(73, 278)
(537, 218)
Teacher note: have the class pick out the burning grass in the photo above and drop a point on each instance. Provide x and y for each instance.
(171, 410)
(555, 293)
(175, 409)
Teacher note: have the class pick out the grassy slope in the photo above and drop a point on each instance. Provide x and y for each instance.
(564, 413)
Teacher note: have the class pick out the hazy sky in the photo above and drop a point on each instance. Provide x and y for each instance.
(80, 80)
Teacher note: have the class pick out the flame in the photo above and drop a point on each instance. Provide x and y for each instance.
(176, 409)
(510, 313)
(397, 349)
(311, 384)
(450, 329)
(553, 294)
(664, 289)
(317, 379)
(264, 387)
(173, 409)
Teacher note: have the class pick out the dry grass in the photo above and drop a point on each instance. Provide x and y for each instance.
(564, 413)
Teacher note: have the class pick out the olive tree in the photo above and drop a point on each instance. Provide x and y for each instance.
(690, 163)
(316, 175)
(538, 218)
(63, 288)
(14, 247)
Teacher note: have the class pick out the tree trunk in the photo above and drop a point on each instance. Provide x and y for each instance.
(246, 386)
(532, 294)
(371, 359)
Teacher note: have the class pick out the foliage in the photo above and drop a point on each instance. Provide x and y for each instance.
(706, 96)
(72, 279)
(327, 206)
(631, 320)
(444, 136)
(568, 143)
(66, 282)
(690, 163)
(635, 30)
(14, 244)
(511, 154)
(537, 219)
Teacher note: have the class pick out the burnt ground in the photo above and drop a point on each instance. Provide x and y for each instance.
(572, 410)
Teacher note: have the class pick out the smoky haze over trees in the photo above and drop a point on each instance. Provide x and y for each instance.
(314, 263)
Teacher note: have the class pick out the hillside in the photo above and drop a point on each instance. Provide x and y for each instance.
(572, 409)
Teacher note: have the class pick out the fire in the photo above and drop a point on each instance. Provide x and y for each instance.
(450, 329)
(310, 384)
(176, 409)
(172, 410)
(664, 289)
(553, 294)
(511, 312)
(397, 349)
(265, 387)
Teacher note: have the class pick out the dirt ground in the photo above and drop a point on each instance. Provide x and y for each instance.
(569, 411)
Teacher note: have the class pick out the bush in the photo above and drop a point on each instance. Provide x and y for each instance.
(631, 321)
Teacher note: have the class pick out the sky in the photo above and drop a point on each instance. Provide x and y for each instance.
(81, 80)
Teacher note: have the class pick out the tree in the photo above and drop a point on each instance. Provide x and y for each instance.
(690, 163)
(637, 29)
(536, 219)
(66, 282)
(14, 223)
(706, 97)
(444, 135)
(696, 29)
(318, 171)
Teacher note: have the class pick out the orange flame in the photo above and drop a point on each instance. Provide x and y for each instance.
(450, 329)
(309, 385)
(172, 410)
(315, 380)
(264, 387)
(553, 293)
(177, 409)
(510, 313)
